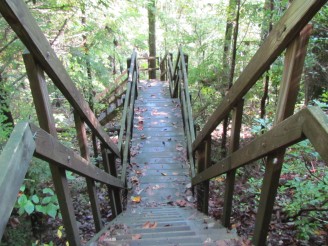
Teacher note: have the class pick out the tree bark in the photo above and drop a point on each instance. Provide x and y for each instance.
(266, 28)
(4, 106)
(152, 38)
(231, 35)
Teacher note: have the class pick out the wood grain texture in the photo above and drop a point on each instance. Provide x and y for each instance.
(282, 135)
(49, 149)
(293, 21)
(15, 159)
(23, 23)
(44, 112)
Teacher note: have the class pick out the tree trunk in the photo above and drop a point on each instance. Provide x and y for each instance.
(152, 39)
(229, 68)
(266, 28)
(90, 89)
(4, 106)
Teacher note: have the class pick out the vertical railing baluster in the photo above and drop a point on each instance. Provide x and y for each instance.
(230, 179)
(91, 186)
(203, 161)
(44, 112)
(114, 193)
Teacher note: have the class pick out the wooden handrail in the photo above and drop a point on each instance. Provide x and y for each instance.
(128, 112)
(26, 141)
(15, 159)
(22, 22)
(293, 21)
(289, 33)
(179, 87)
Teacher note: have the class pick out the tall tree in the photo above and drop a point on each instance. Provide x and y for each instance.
(152, 38)
(227, 70)
(266, 28)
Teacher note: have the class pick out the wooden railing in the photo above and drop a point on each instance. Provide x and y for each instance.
(128, 113)
(290, 34)
(113, 97)
(28, 140)
(179, 87)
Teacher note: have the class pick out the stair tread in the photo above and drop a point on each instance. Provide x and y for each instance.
(159, 174)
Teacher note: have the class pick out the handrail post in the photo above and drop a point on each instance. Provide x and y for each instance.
(294, 61)
(203, 162)
(114, 193)
(43, 109)
(230, 179)
(91, 186)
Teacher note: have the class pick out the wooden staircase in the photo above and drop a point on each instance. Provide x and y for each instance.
(160, 208)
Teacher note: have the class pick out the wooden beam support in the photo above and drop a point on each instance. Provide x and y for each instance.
(282, 135)
(114, 193)
(203, 162)
(22, 22)
(294, 61)
(237, 115)
(91, 186)
(43, 109)
(49, 148)
(293, 21)
(15, 159)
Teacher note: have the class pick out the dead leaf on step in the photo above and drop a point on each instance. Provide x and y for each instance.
(134, 179)
(136, 236)
(179, 147)
(136, 199)
(181, 203)
(140, 125)
(149, 225)
(138, 172)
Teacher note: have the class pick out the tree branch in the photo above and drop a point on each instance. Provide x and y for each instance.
(8, 44)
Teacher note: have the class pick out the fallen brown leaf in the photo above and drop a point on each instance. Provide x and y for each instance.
(149, 225)
(136, 236)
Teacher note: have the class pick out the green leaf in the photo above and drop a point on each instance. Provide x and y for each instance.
(46, 200)
(35, 199)
(22, 200)
(29, 207)
(22, 188)
(40, 209)
(48, 191)
(51, 210)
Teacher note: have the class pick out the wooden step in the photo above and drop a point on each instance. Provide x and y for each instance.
(159, 174)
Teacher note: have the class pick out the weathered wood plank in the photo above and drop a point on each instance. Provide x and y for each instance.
(43, 109)
(296, 17)
(316, 130)
(114, 193)
(188, 135)
(294, 61)
(15, 159)
(187, 93)
(203, 162)
(49, 149)
(282, 135)
(128, 136)
(22, 22)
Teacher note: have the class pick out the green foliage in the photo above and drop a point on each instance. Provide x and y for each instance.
(305, 191)
(45, 203)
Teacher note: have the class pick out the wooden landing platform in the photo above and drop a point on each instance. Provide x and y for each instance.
(160, 208)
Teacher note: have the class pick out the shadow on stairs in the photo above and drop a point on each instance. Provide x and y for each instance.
(160, 206)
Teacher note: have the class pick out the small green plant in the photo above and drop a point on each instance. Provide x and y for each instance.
(46, 204)
(260, 125)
